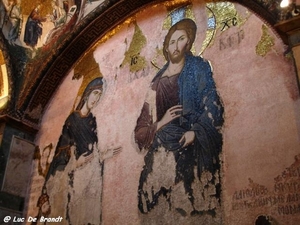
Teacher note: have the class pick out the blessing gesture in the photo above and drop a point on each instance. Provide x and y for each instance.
(171, 114)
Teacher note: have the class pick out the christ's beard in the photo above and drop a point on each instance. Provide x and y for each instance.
(178, 57)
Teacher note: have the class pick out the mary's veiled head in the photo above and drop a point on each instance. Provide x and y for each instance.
(96, 84)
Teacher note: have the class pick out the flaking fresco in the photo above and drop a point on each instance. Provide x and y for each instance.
(253, 134)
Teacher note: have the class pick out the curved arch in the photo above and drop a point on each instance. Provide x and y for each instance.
(95, 26)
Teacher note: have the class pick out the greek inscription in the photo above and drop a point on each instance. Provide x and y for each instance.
(249, 193)
(293, 197)
(138, 75)
(234, 21)
(229, 23)
(291, 172)
(288, 173)
(284, 198)
(259, 202)
(232, 40)
(134, 60)
(269, 201)
(287, 187)
(289, 209)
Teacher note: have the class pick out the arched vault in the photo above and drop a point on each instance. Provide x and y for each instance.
(30, 105)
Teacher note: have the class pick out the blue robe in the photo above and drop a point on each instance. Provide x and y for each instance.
(33, 29)
(202, 113)
(77, 130)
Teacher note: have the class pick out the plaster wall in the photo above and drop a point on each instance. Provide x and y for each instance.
(260, 153)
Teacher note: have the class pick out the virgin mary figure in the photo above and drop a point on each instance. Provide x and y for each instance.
(74, 178)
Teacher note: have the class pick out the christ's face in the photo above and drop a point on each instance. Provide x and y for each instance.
(177, 45)
(93, 98)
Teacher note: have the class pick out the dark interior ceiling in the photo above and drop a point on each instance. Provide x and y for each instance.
(94, 26)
